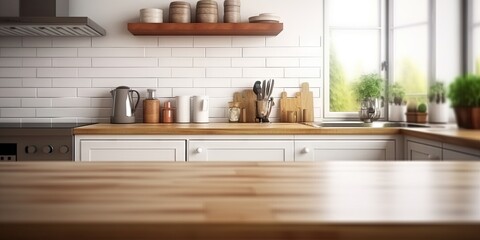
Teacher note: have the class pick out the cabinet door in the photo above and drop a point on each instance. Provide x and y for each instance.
(458, 156)
(350, 150)
(419, 151)
(132, 150)
(240, 150)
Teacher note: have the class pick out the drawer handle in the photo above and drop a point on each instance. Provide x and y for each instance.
(199, 150)
(306, 150)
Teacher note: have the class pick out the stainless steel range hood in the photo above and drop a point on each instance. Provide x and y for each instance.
(43, 18)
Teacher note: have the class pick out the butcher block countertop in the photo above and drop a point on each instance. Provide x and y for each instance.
(446, 133)
(321, 200)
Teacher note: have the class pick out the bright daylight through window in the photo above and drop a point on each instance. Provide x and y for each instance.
(476, 35)
(356, 43)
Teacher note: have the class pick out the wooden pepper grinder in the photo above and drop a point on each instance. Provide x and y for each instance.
(151, 108)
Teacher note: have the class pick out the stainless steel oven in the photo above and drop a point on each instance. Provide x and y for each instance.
(37, 141)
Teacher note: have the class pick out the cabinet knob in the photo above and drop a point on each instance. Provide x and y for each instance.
(30, 149)
(47, 149)
(199, 150)
(64, 149)
(306, 150)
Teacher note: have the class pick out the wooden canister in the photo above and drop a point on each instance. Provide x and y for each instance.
(151, 108)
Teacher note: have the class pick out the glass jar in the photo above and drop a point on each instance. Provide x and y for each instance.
(233, 111)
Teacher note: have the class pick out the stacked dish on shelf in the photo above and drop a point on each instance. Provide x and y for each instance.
(179, 12)
(265, 18)
(232, 11)
(151, 15)
(207, 11)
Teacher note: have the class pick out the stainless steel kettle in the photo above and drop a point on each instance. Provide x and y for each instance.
(123, 109)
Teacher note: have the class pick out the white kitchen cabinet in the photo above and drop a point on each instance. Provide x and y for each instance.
(423, 150)
(252, 149)
(453, 152)
(130, 149)
(349, 148)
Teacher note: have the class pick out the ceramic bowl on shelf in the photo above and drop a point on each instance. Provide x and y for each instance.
(265, 17)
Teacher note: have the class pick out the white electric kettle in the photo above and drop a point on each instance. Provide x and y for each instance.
(123, 109)
(200, 108)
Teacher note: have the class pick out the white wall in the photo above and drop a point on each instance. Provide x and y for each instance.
(68, 79)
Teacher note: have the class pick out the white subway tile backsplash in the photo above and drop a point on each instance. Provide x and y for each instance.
(302, 72)
(10, 82)
(263, 72)
(71, 82)
(124, 62)
(283, 52)
(57, 72)
(158, 52)
(57, 92)
(162, 92)
(310, 41)
(212, 82)
(188, 91)
(282, 62)
(10, 62)
(57, 52)
(243, 82)
(175, 62)
(175, 82)
(124, 72)
(311, 62)
(212, 62)
(71, 102)
(131, 82)
(220, 102)
(111, 52)
(36, 102)
(72, 62)
(212, 41)
(72, 42)
(188, 52)
(188, 72)
(282, 41)
(18, 92)
(17, 112)
(37, 62)
(217, 112)
(18, 72)
(125, 41)
(248, 62)
(223, 52)
(95, 92)
(173, 41)
(221, 92)
(18, 52)
(36, 42)
(101, 102)
(312, 82)
(224, 72)
(10, 42)
(248, 41)
(10, 102)
(286, 83)
(37, 82)
(73, 112)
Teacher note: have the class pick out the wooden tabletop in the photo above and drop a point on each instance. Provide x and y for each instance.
(322, 200)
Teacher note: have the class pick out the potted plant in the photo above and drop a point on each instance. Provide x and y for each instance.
(397, 104)
(464, 93)
(438, 109)
(416, 114)
(369, 92)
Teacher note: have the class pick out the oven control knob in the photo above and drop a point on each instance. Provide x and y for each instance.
(47, 149)
(64, 149)
(30, 149)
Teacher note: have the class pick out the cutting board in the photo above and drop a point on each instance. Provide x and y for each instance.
(303, 101)
(247, 99)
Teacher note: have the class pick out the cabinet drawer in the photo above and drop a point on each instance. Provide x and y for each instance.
(419, 151)
(351, 150)
(132, 150)
(240, 150)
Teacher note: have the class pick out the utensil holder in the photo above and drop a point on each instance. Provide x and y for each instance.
(263, 109)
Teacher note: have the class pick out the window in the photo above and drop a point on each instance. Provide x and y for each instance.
(355, 44)
(410, 61)
(474, 59)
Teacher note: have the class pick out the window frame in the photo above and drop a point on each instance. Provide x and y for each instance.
(470, 26)
(327, 114)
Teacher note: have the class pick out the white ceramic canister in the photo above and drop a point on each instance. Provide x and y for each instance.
(182, 111)
(200, 106)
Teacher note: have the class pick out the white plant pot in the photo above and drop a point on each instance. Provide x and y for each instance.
(396, 113)
(437, 112)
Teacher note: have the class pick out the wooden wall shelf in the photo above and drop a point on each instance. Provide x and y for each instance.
(205, 29)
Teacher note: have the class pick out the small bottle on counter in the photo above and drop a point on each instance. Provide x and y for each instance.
(167, 112)
(151, 108)
(234, 111)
